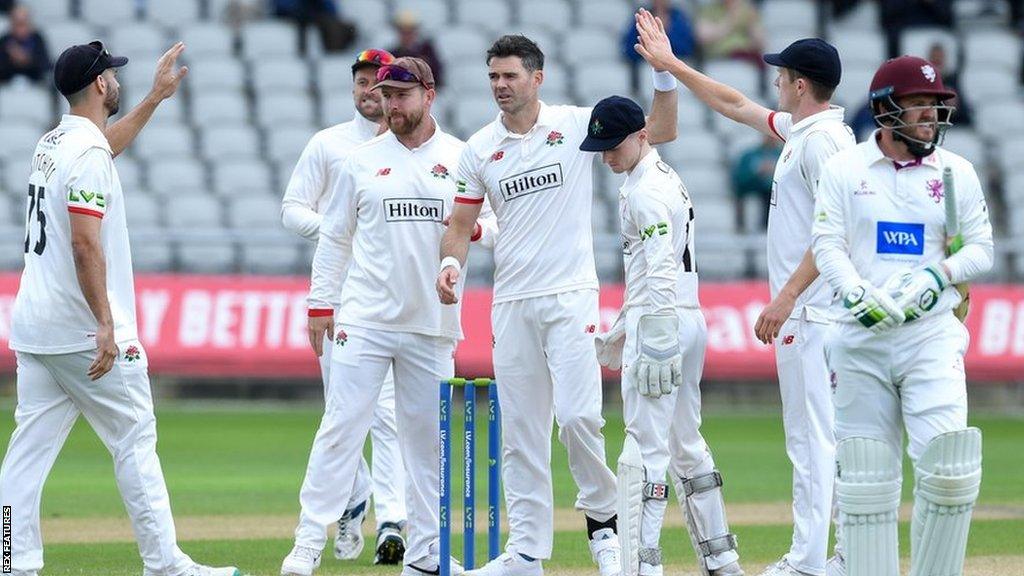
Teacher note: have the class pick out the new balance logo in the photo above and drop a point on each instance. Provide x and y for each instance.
(531, 182)
(413, 209)
(383, 171)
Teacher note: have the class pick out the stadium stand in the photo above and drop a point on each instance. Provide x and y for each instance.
(206, 176)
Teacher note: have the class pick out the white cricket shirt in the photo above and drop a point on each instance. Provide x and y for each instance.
(383, 225)
(72, 172)
(315, 175)
(540, 185)
(809, 143)
(657, 238)
(875, 217)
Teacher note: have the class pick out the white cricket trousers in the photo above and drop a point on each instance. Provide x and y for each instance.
(668, 428)
(911, 376)
(358, 369)
(386, 482)
(807, 418)
(53, 390)
(546, 366)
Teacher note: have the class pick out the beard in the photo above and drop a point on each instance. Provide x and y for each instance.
(370, 109)
(402, 124)
(113, 102)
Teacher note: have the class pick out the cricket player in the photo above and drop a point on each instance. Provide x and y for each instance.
(813, 130)
(379, 236)
(889, 218)
(528, 163)
(659, 340)
(73, 326)
(306, 198)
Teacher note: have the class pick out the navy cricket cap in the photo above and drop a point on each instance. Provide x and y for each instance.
(80, 64)
(612, 120)
(812, 57)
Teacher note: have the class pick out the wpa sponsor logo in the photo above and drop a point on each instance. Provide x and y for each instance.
(413, 209)
(900, 238)
(531, 182)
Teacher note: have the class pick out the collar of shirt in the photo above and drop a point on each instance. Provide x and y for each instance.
(873, 154)
(641, 168)
(833, 113)
(425, 146)
(75, 121)
(544, 118)
(367, 128)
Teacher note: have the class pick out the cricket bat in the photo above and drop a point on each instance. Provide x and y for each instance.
(954, 241)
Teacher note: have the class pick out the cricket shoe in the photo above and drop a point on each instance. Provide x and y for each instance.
(509, 564)
(390, 544)
(348, 541)
(782, 568)
(730, 569)
(605, 550)
(195, 570)
(836, 566)
(429, 567)
(301, 561)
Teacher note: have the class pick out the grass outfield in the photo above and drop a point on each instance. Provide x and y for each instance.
(245, 464)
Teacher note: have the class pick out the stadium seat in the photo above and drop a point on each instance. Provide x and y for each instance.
(739, 143)
(241, 177)
(189, 211)
(143, 212)
(139, 38)
(177, 176)
(204, 40)
(777, 40)
(469, 78)
(163, 142)
(239, 141)
(19, 140)
(553, 15)
(206, 257)
(918, 42)
(11, 215)
(587, 46)
(799, 16)
(1009, 154)
(271, 259)
(61, 35)
(334, 75)
(694, 148)
(692, 114)
(989, 47)
(966, 143)
(263, 212)
(741, 75)
(178, 14)
(272, 75)
(853, 89)
(219, 108)
(152, 255)
(49, 11)
(336, 108)
(462, 43)
(602, 79)
(432, 14)
(368, 14)
(27, 104)
(860, 48)
(705, 181)
(718, 260)
(610, 15)
(287, 143)
(269, 38)
(281, 109)
(472, 114)
(129, 173)
(106, 12)
(863, 16)
(492, 17)
(14, 178)
(987, 83)
(216, 74)
(170, 111)
(1000, 119)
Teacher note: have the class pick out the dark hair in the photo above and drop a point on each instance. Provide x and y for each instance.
(517, 45)
(821, 92)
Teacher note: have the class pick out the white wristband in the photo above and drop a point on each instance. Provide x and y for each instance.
(450, 261)
(663, 81)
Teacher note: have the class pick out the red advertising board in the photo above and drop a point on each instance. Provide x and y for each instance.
(249, 326)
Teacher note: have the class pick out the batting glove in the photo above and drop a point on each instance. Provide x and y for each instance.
(660, 366)
(873, 308)
(917, 291)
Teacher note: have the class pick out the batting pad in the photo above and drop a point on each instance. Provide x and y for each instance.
(948, 476)
(700, 497)
(868, 494)
(630, 504)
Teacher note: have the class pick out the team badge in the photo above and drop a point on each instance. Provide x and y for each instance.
(341, 338)
(789, 339)
(439, 171)
(935, 191)
(132, 353)
(596, 127)
(929, 72)
(555, 138)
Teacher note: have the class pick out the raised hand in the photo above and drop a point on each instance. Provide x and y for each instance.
(168, 75)
(653, 43)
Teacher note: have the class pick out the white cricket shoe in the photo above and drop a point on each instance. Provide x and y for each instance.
(730, 569)
(509, 564)
(301, 561)
(200, 570)
(781, 568)
(605, 550)
(431, 568)
(836, 566)
(348, 541)
(651, 569)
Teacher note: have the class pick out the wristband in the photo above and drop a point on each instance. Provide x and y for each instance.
(663, 81)
(450, 261)
(317, 312)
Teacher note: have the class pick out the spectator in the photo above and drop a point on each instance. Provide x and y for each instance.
(335, 34)
(23, 49)
(895, 16)
(752, 176)
(411, 43)
(677, 28)
(951, 79)
(731, 29)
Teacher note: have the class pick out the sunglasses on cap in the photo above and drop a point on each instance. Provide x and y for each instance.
(398, 74)
(103, 52)
(374, 56)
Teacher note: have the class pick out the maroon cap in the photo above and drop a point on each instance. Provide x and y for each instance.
(908, 75)
(405, 72)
